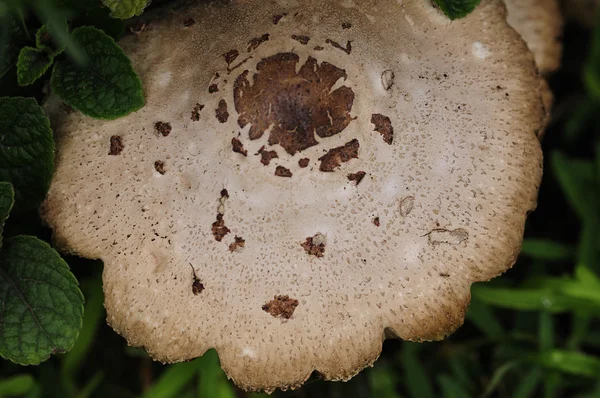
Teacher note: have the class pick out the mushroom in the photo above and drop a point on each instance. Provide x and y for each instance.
(540, 23)
(279, 265)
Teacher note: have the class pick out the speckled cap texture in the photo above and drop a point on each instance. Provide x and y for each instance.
(306, 179)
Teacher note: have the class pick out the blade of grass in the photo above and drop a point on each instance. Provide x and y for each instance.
(173, 380)
(498, 376)
(482, 316)
(417, 381)
(451, 388)
(546, 250)
(528, 383)
(91, 385)
(212, 381)
(546, 331)
(570, 362)
(16, 385)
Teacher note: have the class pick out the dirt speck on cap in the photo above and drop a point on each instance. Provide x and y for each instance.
(196, 112)
(116, 145)
(159, 166)
(221, 112)
(346, 25)
(383, 125)
(377, 221)
(301, 39)
(213, 88)
(347, 49)
(224, 194)
(257, 41)
(281, 171)
(406, 205)
(219, 229)
(281, 306)
(336, 156)
(266, 156)
(237, 244)
(188, 22)
(319, 48)
(304, 162)
(238, 147)
(444, 236)
(315, 245)
(162, 128)
(357, 177)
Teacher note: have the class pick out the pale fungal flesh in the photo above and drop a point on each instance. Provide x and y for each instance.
(335, 173)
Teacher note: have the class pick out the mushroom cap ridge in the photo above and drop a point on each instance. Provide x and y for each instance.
(435, 121)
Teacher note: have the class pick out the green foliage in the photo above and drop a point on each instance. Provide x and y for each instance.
(455, 9)
(16, 385)
(41, 302)
(106, 87)
(32, 64)
(124, 9)
(53, 37)
(7, 200)
(12, 37)
(26, 150)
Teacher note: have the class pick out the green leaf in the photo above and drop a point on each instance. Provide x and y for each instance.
(7, 200)
(12, 37)
(484, 319)
(577, 179)
(571, 362)
(451, 388)
(53, 36)
(498, 376)
(591, 73)
(546, 250)
(417, 381)
(528, 383)
(106, 87)
(455, 9)
(32, 65)
(26, 150)
(213, 381)
(42, 306)
(124, 9)
(173, 380)
(16, 385)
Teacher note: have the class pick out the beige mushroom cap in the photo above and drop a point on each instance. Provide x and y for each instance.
(306, 179)
(540, 23)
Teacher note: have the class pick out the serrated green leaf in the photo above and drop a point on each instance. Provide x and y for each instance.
(7, 200)
(32, 64)
(42, 306)
(53, 36)
(546, 250)
(124, 9)
(106, 87)
(455, 9)
(26, 150)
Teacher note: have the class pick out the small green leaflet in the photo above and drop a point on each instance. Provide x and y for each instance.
(106, 87)
(455, 9)
(41, 301)
(26, 150)
(124, 9)
(12, 38)
(32, 64)
(53, 36)
(7, 200)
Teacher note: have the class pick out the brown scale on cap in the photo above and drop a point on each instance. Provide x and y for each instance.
(163, 128)
(213, 88)
(304, 162)
(281, 306)
(219, 229)
(383, 125)
(197, 285)
(253, 44)
(116, 145)
(301, 103)
(301, 39)
(196, 112)
(237, 244)
(231, 56)
(357, 177)
(277, 18)
(159, 166)
(346, 25)
(188, 22)
(377, 221)
(221, 112)
(266, 156)
(281, 171)
(314, 245)
(347, 49)
(336, 156)
(238, 147)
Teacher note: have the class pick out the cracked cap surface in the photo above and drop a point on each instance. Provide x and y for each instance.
(400, 165)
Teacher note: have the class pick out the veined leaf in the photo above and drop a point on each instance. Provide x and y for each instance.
(124, 9)
(457, 8)
(41, 301)
(7, 200)
(106, 87)
(26, 150)
(32, 64)
(53, 36)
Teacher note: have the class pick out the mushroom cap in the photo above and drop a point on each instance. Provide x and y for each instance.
(306, 179)
(540, 23)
